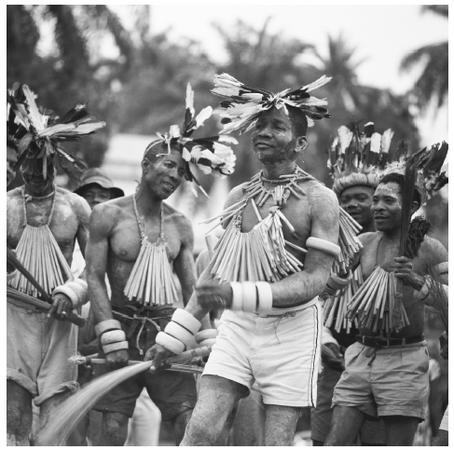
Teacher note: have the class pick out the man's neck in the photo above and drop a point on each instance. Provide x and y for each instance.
(391, 235)
(276, 169)
(46, 193)
(147, 202)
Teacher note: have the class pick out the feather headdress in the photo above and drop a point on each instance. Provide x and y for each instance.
(34, 133)
(209, 154)
(356, 157)
(242, 104)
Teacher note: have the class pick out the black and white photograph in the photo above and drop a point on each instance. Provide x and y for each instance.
(226, 224)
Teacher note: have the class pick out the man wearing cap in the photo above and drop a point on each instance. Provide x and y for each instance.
(146, 249)
(267, 270)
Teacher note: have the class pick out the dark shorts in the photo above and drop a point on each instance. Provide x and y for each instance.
(172, 392)
(390, 381)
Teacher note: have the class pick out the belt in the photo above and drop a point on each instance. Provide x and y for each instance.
(380, 342)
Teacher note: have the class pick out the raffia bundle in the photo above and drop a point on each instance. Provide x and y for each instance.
(378, 304)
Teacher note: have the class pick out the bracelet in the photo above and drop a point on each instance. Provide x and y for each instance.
(323, 245)
(107, 325)
(109, 337)
(114, 347)
(249, 296)
(209, 333)
(186, 320)
(179, 332)
(170, 343)
(237, 296)
(265, 296)
(75, 290)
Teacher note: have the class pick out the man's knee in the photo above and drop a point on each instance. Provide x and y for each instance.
(19, 411)
(114, 429)
(345, 424)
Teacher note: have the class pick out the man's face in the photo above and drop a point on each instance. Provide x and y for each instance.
(32, 173)
(357, 201)
(164, 174)
(95, 194)
(273, 137)
(387, 206)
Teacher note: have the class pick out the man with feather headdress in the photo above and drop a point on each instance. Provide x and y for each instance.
(270, 330)
(146, 249)
(355, 158)
(43, 222)
(386, 370)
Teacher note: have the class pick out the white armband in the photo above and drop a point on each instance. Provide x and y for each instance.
(76, 290)
(178, 335)
(209, 333)
(323, 245)
(114, 347)
(107, 325)
(253, 297)
(112, 336)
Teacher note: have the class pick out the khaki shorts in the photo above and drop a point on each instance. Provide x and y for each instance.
(279, 354)
(391, 381)
(38, 351)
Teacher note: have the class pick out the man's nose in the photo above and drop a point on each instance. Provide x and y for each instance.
(265, 130)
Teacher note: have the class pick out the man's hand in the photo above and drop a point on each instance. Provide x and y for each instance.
(61, 306)
(332, 356)
(213, 295)
(403, 269)
(158, 354)
(117, 359)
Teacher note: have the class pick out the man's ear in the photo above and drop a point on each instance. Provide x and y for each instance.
(145, 165)
(301, 144)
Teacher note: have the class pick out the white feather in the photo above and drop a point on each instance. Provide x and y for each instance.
(190, 99)
(203, 115)
(375, 143)
(386, 140)
(345, 137)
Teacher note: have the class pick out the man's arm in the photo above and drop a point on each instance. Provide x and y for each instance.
(303, 286)
(184, 263)
(101, 222)
(83, 213)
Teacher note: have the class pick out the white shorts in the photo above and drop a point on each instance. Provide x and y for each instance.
(280, 354)
(444, 421)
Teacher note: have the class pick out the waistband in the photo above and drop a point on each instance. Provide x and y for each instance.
(382, 342)
(279, 312)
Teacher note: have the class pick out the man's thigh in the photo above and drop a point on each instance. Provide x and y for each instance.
(173, 392)
(400, 381)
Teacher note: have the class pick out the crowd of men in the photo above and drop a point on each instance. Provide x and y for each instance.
(264, 280)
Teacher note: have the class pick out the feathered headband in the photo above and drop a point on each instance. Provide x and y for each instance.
(209, 154)
(356, 157)
(427, 166)
(33, 133)
(243, 104)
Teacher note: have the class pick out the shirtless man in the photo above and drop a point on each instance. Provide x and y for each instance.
(269, 332)
(383, 377)
(38, 345)
(114, 245)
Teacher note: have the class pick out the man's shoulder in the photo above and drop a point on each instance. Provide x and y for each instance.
(177, 216)
(112, 208)
(15, 193)
(432, 250)
(320, 196)
(369, 237)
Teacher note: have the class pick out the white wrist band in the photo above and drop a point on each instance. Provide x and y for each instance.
(186, 320)
(76, 290)
(237, 296)
(112, 336)
(209, 333)
(249, 296)
(107, 325)
(179, 332)
(323, 245)
(265, 296)
(170, 343)
(114, 347)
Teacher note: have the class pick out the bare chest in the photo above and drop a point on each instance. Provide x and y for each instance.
(126, 239)
(61, 219)
(296, 226)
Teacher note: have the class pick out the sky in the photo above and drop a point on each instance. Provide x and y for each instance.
(382, 35)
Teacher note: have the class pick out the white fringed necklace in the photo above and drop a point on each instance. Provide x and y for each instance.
(259, 254)
(151, 280)
(41, 255)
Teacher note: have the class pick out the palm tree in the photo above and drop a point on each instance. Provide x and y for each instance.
(432, 83)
